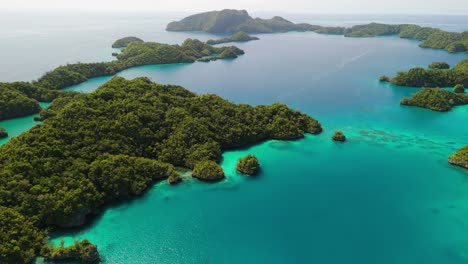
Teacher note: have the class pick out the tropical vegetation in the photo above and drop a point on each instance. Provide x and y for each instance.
(460, 158)
(238, 37)
(21, 98)
(436, 99)
(339, 136)
(113, 144)
(248, 165)
(208, 170)
(434, 77)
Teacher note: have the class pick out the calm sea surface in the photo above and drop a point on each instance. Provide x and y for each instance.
(386, 196)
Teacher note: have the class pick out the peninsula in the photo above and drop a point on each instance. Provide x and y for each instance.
(434, 76)
(238, 37)
(21, 98)
(232, 21)
(436, 99)
(113, 144)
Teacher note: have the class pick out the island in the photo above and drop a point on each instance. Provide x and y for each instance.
(436, 99)
(459, 88)
(238, 37)
(339, 136)
(434, 77)
(113, 144)
(83, 251)
(124, 42)
(21, 98)
(3, 133)
(232, 21)
(248, 165)
(208, 170)
(460, 158)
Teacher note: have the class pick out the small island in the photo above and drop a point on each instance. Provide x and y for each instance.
(459, 88)
(19, 99)
(238, 37)
(339, 136)
(208, 171)
(248, 165)
(460, 158)
(3, 133)
(83, 251)
(124, 42)
(436, 99)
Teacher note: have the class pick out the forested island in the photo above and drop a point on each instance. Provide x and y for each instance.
(436, 99)
(124, 42)
(21, 98)
(238, 37)
(114, 143)
(434, 76)
(460, 158)
(248, 165)
(232, 21)
(3, 133)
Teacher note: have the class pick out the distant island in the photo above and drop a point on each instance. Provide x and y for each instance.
(238, 37)
(19, 99)
(436, 99)
(114, 143)
(460, 158)
(232, 21)
(124, 42)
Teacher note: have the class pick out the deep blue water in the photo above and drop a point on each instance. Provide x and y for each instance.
(388, 195)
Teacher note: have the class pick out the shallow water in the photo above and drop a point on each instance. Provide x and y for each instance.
(388, 195)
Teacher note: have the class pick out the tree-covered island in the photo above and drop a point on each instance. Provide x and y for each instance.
(436, 99)
(124, 42)
(21, 98)
(460, 158)
(238, 37)
(248, 165)
(113, 144)
(434, 76)
(232, 21)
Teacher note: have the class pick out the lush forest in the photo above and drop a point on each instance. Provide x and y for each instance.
(436, 99)
(238, 37)
(460, 158)
(21, 98)
(14, 103)
(248, 165)
(113, 144)
(124, 42)
(434, 77)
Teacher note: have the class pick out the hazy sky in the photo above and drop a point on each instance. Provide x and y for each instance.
(459, 7)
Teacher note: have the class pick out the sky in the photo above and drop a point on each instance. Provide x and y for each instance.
(455, 7)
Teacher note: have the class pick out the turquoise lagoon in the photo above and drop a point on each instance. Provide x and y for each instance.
(388, 195)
